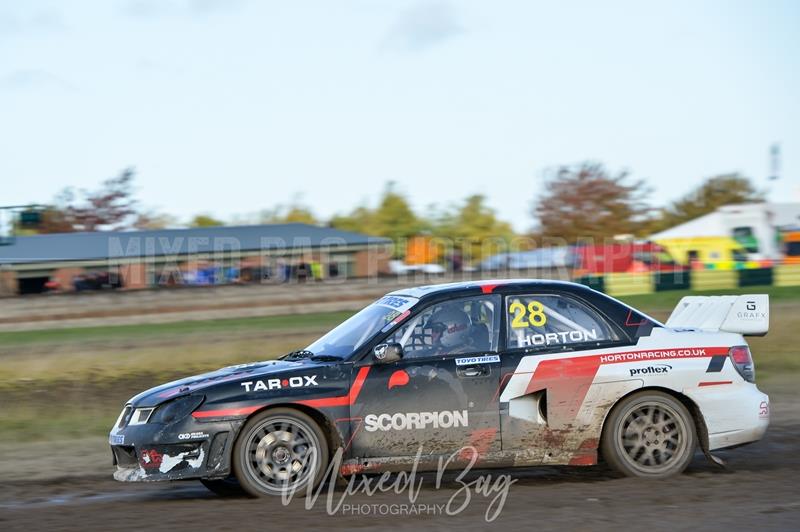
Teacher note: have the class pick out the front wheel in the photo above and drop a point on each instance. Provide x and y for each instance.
(649, 434)
(278, 451)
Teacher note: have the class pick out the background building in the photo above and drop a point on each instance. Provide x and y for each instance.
(198, 256)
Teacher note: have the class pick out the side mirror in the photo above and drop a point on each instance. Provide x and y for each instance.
(387, 353)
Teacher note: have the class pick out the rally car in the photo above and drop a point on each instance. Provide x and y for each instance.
(493, 373)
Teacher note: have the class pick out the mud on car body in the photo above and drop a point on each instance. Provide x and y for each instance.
(512, 373)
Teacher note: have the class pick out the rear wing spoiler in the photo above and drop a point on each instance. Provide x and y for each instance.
(746, 314)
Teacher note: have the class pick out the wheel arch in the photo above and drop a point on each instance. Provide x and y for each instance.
(326, 424)
(694, 410)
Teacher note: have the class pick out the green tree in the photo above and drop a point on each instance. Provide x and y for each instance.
(155, 220)
(727, 189)
(586, 201)
(360, 220)
(205, 220)
(54, 220)
(393, 218)
(299, 214)
(474, 229)
(294, 213)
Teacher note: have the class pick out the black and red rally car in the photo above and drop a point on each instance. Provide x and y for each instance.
(493, 373)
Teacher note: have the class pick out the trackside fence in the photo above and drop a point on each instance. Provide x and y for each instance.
(625, 284)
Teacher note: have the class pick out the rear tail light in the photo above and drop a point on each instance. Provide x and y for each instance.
(743, 361)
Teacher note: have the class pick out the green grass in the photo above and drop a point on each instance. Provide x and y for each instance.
(126, 333)
(174, 349)
(667, 300)
(28, 424)
(86, 374)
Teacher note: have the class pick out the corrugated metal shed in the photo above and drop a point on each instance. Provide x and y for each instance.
(171, 242)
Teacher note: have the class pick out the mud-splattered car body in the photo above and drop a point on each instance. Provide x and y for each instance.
(541, 365)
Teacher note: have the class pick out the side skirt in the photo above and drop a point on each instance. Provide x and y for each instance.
(459, 461)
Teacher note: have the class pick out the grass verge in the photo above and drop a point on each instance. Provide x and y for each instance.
(65, 383)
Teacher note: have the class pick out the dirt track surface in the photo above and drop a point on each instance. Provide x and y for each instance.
(759, 489)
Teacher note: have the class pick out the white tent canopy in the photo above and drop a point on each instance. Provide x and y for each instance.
(722, 221)
(712, 224)
(761, 220)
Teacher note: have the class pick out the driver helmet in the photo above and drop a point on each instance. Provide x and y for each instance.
(449, 327)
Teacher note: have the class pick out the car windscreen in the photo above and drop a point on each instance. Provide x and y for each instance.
(363, 326)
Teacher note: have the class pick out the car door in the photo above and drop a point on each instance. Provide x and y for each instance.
(545, 380)
(438, 397)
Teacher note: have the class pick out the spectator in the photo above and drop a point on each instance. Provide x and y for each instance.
(333, 269)
(316, 270)
(303, 271)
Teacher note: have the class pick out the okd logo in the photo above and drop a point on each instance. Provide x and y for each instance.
(651, 370)
(279, 384)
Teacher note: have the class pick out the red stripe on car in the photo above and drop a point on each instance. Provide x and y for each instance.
(226, 412)
(567, 380)
(714, 383)
(342, 400)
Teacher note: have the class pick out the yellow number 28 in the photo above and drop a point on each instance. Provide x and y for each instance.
(535, 314)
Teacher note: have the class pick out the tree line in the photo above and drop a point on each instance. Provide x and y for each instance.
(577, 202)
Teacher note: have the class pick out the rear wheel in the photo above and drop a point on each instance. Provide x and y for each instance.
(280, 450)
(649, 434)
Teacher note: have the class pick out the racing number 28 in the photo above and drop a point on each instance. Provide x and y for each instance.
(534, 313)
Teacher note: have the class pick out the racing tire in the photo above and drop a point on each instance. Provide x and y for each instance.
(280, 450)
(649, 434)
(224, 487)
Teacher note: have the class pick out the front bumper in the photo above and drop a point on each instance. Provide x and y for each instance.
(184, 450)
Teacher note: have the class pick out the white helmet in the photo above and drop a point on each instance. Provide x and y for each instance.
(452, 324)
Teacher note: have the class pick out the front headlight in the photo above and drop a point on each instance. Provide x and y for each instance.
(122, 420)
(140, 416)
(177, 409)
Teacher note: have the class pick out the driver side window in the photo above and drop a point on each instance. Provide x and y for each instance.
(549, 320)
(467, 325)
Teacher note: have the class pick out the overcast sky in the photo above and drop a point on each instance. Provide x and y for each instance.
(231, 107)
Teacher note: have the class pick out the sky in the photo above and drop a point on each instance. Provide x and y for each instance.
(232, 107)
